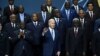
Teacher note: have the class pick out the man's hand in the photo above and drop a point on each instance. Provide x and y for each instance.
(44, 31)
(21, 35)
(58, 53)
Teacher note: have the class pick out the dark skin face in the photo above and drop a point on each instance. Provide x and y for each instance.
(76, 23)
(22, 25)
(13, 18)
(21, 9)
(11, 2)
(35, 17)
(49, 2)
(57, 14)
(75, 2)
(67, 5)
(43, 7)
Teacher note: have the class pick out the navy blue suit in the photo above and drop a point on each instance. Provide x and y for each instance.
(23, 47)
(36, 33)
(50, 46)
(72, 15)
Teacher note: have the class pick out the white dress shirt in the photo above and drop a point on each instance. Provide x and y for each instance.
(21, 17)
(67, 13)
(11, 7)
(44, 16)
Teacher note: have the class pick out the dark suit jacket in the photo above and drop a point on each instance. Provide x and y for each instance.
(96, 43)
(36, 32)
(72, 15)
(22, 43)
(75, 43)
(3, 43)
(91, 21)
(50, 46)
(7, 12)
(61, 28)
(10, 30)
(47, 18)
(84, 26)
(26, 18)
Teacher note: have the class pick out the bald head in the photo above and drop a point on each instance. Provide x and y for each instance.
(51, 23)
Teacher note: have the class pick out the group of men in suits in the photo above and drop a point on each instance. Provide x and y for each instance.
(50, 32)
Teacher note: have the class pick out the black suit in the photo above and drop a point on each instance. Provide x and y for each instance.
(90, 30)
(45, 23)
(7, 12)
(96, 43)
(36, 33)
(26, 18)
(10, 34)
(61, 28)
(75, 44)
(23, 46)
(3, 44)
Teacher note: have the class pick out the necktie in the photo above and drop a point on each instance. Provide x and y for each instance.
(76, 32)
(82, 22)
(57, 21)
(52, 33)
(91, 14)
(44, 17)
(68, 12)
(35, 24)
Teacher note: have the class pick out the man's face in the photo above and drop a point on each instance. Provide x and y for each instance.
(81, 13)
(11, 2)
(34, 17)
(43, 8)
(75, 2)
(49, 2)
(52, 24)
(67, 5)
(13, 18)
(90, 7)
(21, 9)
(57, 14)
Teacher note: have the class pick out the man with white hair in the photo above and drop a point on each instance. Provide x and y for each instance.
(75, 40)
(51, 44)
